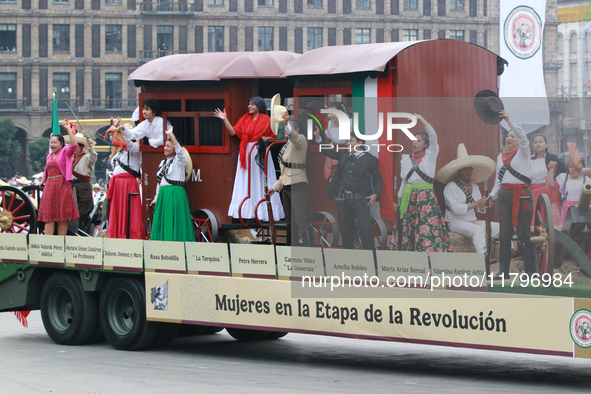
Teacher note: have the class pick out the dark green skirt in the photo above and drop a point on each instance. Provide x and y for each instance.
(172, 218)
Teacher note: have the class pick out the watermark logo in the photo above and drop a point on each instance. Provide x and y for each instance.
(580, 328)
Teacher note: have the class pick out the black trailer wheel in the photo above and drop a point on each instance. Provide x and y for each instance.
(277, 334)
(165, 334)
(245, 335)
(68, 312)
(544, 228)
(122, 313)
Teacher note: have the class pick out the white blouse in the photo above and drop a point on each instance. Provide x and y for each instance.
(332, 133)
(538, 170)
(153, 131)
(427, 164)
(132, 160)
(176, 170)
(574, 187)
(520, 162)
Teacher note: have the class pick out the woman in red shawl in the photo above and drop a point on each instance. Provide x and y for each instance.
(251, 127)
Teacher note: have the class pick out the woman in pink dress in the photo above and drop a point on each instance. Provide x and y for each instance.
(58, 204)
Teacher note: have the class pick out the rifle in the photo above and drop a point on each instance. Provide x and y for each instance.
(150, 207)
(488, 230)
(271, 218)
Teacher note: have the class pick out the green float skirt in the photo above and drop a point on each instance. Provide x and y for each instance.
(172, 218)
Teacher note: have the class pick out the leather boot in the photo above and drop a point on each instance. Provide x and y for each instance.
(505, 259)
(307, 237)
(288, 240)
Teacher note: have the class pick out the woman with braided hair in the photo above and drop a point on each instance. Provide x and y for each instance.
(172, 218)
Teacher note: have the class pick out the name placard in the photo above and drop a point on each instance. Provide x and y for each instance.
(458, 271)
(123, 255)
(403, 269)
(351, 263)
(13, 248)
(165, 256)
(253, 261)
(47, 250)
(295, 262)
(84, 252)
(207, 258)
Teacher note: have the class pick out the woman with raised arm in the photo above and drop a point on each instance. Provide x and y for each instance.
(423, 226)
(513, 181)
(251, 127)
(58, 204)
(172, 218)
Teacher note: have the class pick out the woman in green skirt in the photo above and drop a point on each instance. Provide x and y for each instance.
(172, 218)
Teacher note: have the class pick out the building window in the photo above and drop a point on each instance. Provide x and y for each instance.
(456, 35)
(61, 1)
(315, 3)
(61, 38)
(164, 39)
(215, 2)
(363, 4)
(61, 84)
(573, 78)
(7, 90)
(362, 36)
(7, 37)
(113, 90)
(314, 37)
(457, 5)
(113, 38)
(573, 44)
(411, 4)
(265, 39)
(215, 39)
(113, 2)
(265, 3)
(410, 35)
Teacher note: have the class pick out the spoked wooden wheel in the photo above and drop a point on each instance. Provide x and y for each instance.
(328, 233)
(18, 213)
(543, 239)
(206, 225)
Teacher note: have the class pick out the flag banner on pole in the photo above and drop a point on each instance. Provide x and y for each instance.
(521, 42)
(55, 125)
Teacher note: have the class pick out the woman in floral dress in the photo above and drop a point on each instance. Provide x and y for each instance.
(58, 204)
(423, 227)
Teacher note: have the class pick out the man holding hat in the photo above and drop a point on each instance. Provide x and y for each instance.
(82, 171)
(463, 198)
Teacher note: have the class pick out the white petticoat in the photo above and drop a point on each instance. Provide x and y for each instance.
(256, 190)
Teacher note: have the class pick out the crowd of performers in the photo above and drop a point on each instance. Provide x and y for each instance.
(354, 178)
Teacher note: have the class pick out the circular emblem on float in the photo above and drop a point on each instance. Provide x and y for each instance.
(523, 32)
(580, 328)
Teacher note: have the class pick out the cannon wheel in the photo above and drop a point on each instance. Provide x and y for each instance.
(544, 225)
(201, 228)
(329, 233)
(17, 212)
(381, 234)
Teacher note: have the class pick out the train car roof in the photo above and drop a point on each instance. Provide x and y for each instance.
(214, 66)
(344, 59)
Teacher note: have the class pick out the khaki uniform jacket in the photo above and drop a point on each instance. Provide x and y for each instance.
(295, 153)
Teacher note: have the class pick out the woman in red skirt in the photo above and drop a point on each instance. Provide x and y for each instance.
(58, 204)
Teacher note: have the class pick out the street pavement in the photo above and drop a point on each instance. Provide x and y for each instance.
(31, 363)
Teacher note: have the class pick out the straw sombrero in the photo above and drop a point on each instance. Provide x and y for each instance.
(487, 105)
(483, 166)
(79, 140)
(38, 175)
(96, 186)
(188, 166)
(277, 111)
(23, 181)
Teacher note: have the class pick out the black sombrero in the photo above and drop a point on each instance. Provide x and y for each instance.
(487, 105)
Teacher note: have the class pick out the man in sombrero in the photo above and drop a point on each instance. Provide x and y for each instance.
(463, 198)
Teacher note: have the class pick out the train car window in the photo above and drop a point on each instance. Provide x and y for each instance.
(211, 132)
(170, 105)
(203, 105)
(184, 129)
